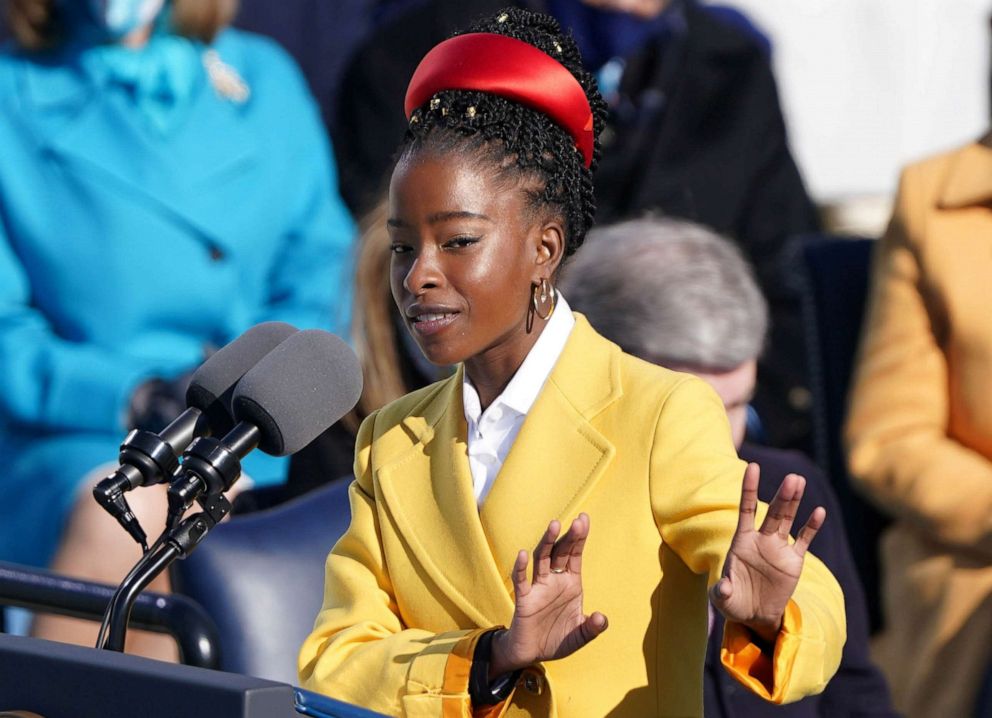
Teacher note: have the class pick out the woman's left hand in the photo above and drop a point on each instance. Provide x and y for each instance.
(762, 566)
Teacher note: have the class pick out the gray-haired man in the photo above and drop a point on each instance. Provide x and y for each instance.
(677, 294)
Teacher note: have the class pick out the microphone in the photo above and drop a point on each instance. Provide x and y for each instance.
(294, 393)
(291, 396)
(147, 458)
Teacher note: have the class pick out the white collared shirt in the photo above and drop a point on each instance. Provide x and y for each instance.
(492, 432)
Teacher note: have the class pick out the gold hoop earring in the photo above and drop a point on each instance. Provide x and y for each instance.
(546, 291)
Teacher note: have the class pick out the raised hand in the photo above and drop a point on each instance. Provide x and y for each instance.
(762, 566)
(548, 621)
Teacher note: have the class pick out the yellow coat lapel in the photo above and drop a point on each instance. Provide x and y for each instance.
(428, 491)
(558, 455)
(556, 460)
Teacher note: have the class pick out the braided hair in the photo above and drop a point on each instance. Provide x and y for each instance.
(519, 142)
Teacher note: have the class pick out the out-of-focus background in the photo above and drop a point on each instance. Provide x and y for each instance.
(173, 172)
(870, 86)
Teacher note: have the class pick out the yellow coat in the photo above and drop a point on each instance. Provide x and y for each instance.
(919, 430)
(647, 454)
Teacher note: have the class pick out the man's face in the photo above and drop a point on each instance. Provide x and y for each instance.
(736, 389)
(646, 9)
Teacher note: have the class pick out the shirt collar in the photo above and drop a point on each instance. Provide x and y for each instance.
(523, 389)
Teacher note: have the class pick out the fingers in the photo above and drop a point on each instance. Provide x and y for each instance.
(521, 587)
(542, 553)
(567, 552)
(721, 592)
(722, 589)
(784, 507)
(808, 532)
(594, 625)
(575, 553)
(554, 556)
(749, 499)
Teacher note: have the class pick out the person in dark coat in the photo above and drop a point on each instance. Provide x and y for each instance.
(676, 294)
(695, 131)
(319, 35)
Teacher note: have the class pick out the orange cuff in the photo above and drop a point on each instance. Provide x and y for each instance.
(766, 676)
(457, 671)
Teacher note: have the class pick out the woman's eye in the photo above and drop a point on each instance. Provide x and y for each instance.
(399, 248)
(459, 242)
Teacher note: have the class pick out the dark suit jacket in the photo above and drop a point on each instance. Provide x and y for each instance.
(368, 123)
(703, 138)
(320, 35)
(858, 688)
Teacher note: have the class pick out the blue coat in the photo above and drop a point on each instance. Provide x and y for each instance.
(127, 251)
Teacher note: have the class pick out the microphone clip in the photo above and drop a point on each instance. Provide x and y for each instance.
(109, 493)
(150, 455)
(210, 467)
(145, 459)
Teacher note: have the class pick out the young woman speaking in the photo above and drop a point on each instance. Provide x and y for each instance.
(620, 476)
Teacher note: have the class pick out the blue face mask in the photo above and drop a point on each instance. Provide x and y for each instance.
(117, 18)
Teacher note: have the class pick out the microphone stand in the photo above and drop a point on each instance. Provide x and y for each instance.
(211, 466)
(177, 542)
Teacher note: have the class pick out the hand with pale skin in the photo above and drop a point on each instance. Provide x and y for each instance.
(762, 567)
(548, 621)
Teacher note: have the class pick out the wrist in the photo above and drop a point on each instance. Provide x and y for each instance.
(500, 662)
(766, 630)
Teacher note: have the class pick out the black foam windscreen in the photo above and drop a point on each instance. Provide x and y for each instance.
(212, 385)
(299, 390)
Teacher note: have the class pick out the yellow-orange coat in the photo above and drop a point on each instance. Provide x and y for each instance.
(919, 430)
(647, 454)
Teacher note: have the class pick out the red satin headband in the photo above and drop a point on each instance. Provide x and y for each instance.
(509, 68)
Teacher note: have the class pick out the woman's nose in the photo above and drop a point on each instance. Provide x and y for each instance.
(424, 274)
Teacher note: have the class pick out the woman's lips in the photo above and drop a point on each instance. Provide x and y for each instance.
(427, 324)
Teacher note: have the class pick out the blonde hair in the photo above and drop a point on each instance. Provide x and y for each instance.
(35, 23)
(373, 329)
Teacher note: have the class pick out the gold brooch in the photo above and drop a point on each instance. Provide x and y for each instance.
(470, 112)
(226, 81)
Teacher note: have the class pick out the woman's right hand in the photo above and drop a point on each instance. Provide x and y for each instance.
(548, 621)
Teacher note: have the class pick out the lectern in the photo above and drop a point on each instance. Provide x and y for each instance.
(57, 680)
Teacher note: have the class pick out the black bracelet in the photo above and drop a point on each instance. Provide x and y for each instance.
(479, 688)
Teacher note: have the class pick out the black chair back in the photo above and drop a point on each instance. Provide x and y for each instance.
(834, 277)
(261, 578)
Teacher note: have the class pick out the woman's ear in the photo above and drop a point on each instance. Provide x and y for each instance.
(550, 249)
